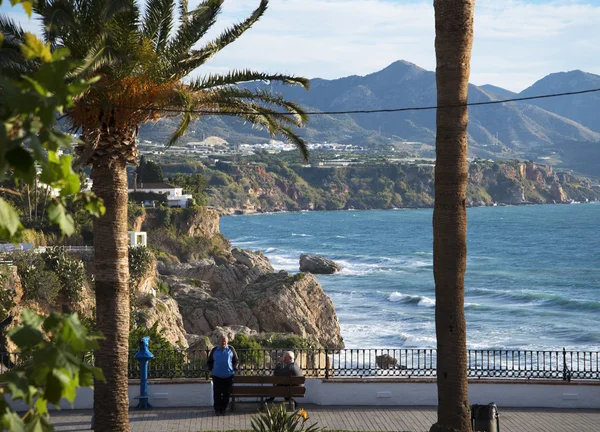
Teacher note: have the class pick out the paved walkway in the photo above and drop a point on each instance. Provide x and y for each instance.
(367, 418)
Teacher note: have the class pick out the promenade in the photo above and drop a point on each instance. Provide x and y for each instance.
(350, 418)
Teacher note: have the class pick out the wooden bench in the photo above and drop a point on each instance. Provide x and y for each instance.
(267, 387)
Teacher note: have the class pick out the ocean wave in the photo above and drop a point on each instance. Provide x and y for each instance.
(283, 262)
(398, 297)
(301, 235)
(539, 299)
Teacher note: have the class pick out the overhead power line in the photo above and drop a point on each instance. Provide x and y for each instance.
(316, 113)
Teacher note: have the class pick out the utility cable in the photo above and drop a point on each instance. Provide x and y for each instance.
(316, 113)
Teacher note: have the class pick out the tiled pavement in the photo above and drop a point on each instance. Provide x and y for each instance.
(365, 418)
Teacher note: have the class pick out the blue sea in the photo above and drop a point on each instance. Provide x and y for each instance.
(532, 281)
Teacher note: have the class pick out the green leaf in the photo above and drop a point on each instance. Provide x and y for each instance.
(22, 163)
(58, 215)
(9, 221)
(17, 384)
(35, 48)
(26, 336)
(54, 389)
(30, 318)
(41, 405)
(12, 421)
(34, 424)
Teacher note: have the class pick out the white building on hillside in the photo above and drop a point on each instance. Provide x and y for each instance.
(175, 195)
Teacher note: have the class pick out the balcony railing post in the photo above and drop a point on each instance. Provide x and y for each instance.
(326, 363)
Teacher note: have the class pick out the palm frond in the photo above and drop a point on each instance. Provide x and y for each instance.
(291, 111)
(12, 62)
(97, 58)
(295, 139)
(158, 22)
(58, 19)
(183, 12)
(201, 56)
(195, 26)
(246, 75)
(186, 102)
(250, 106)
(116, 7)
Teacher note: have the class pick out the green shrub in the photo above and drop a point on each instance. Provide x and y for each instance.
(287, 342)
(6, 297)
(70, 272)
(162, 288)
(139, 263)
(39, 284)
(168, 361)
(134, 211)
(185, 248)
(164, 216)
(250, 352)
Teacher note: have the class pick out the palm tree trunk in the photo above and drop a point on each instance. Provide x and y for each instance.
(453, 42)
(111, 402)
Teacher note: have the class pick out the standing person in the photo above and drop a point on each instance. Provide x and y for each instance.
(222, 362)
(287, 367)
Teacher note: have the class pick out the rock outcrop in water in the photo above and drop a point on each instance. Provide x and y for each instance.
(317, 264)
(243, 290)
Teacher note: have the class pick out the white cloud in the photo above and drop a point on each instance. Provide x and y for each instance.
(516, 42)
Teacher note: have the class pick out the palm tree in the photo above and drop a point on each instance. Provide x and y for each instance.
(453, 42)
(141, 58)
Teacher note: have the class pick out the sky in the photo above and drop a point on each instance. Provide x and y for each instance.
(517, 42)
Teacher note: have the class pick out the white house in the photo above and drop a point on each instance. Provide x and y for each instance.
(175, 195)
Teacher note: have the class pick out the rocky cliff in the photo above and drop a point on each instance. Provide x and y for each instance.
(272, 185)
(241, 289)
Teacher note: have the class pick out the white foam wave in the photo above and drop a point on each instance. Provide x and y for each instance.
(426, 302)
(301, 235)
(283, 262)
(407, 298)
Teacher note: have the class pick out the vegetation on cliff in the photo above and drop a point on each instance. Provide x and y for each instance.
(267, 183)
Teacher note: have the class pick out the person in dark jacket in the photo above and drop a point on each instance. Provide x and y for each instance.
(287, 367)
(222, 362)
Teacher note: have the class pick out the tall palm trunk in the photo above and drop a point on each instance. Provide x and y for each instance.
(453, 42)
(111, 402)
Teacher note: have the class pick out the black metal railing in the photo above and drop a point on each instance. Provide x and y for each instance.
(365, 363)
(370, 363)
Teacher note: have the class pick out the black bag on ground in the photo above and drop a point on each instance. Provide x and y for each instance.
(485, 418)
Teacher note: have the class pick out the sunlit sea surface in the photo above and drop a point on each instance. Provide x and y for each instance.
(532, 281)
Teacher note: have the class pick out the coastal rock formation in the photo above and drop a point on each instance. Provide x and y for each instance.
(164, 311)
(244, 295)
(294, 304)
(386, 361)
(558, 194)
(317, 264)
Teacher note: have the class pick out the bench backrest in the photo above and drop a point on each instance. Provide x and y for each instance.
(270, 380)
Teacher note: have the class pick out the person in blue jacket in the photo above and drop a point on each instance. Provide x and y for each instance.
(222, 362)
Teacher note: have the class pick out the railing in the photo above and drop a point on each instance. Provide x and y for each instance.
(375, 363)
(43, 249)
(371, 363)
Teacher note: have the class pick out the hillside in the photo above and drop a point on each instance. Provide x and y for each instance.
(582, 109)
(513, 130)
(268, 184)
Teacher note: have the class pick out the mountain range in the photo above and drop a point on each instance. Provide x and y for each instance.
(564, 131)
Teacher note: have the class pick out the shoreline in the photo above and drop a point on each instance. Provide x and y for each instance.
(245, 212)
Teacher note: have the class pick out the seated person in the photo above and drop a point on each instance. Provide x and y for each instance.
(287, 367)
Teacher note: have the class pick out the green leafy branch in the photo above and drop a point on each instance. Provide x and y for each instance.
(52, 367)
(29, 108)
